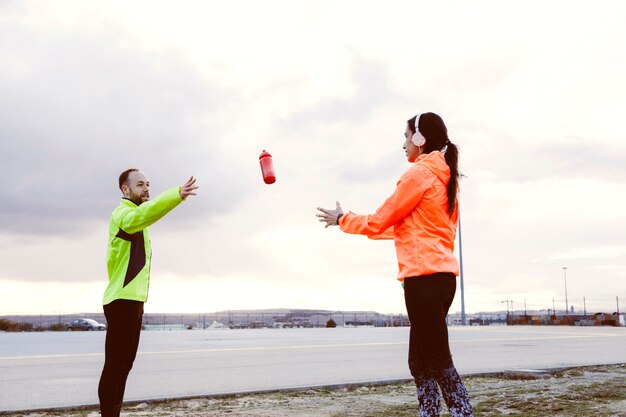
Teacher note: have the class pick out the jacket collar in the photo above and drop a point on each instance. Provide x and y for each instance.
(128, 202)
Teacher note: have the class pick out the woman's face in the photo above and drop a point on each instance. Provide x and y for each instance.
(411, 151)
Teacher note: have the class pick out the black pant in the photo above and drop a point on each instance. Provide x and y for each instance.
(123, 329)
(428, 299)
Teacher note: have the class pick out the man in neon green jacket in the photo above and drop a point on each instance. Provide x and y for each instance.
(128, 264)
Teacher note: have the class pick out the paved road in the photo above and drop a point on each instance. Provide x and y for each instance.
(56, 369)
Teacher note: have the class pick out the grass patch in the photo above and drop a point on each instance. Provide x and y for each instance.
(591, 391)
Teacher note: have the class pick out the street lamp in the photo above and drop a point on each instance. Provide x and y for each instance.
(507, 310)
(461, 280)
(461, 273)
(565, 279)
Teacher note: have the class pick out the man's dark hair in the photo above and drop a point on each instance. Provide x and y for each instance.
(124, 176)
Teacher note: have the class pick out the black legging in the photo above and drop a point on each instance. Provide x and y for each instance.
(428, 299)
(123, 329)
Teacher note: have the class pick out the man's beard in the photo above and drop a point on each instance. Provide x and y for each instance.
(136, 198)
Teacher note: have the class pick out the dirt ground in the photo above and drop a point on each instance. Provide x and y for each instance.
(579, 392)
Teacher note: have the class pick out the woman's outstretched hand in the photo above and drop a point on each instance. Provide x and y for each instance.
(331, 217)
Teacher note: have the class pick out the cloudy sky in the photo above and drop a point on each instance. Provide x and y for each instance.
(533, 93)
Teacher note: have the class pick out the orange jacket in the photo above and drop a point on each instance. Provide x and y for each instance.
(416, 218)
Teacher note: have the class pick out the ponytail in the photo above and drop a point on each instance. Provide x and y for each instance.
(452, 159)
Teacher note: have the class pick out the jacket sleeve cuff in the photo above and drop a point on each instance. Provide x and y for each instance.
(342, 219)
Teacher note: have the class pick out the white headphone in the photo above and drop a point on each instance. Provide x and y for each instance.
(418, 139)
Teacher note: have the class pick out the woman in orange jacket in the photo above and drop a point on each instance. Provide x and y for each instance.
(421, 217)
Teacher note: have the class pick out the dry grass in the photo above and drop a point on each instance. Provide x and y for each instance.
(590, 391)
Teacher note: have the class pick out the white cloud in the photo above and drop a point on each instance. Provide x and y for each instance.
(78, 111)
(88, 90)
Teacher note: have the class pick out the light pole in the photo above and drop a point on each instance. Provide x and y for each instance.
(461, 273)
(461, 280)
(507, 310)
(565, 278)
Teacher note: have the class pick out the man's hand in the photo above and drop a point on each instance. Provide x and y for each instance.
(329, 216)
(188, 188)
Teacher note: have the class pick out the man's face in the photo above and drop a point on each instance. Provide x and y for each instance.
(137, 188)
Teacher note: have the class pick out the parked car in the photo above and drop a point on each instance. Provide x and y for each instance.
(85, 324)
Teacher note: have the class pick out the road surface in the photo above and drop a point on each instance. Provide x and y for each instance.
(59, 369)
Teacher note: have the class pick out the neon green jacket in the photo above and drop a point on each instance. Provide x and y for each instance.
(129, 254)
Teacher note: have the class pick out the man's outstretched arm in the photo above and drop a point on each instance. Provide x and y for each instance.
(134, 219)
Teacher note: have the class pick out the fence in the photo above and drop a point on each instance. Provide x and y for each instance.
(252, 320)
(232, 320)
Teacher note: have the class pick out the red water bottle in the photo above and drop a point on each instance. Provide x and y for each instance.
(267, 167)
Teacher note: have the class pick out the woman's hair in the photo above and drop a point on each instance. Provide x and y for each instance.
(431, 126)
